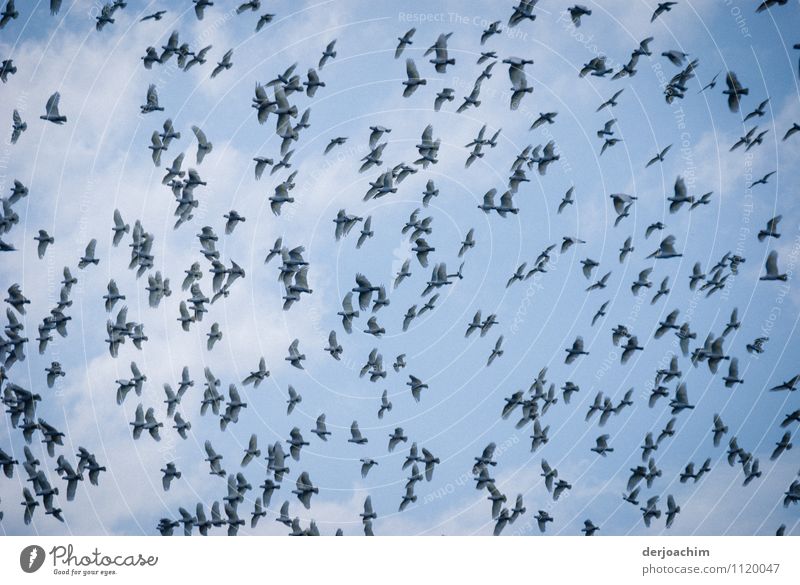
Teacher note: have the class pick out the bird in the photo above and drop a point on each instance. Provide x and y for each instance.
(155, 16)
(659, 157)
(781, 446)
(677, 58)
(355, 435)
(446, 95)
(680, 196)
(773, 273)
(366, 232)
(576, 12)
(601, 312)
(661, 9)
(496, 351)
(442, 59)
(672, 510)
(18, 126)
(757, 346)
(626, 249)
(519, 81)
(170, 472)
(596, 66)
(151, 104)
(771, 231)
(213, 336)
(203, 145)
(542, 518)
(295, 358)
(416, 386)
(711, 84)
(327, 54)
(294, 399)
(52, 113)
(321, 429)
(601, 283)
(7, 68)
(468, 242)
(386, 405)
(642, 281)
(200, 6)
(8, 14)
(704, 199)
(575, 351)
(544, 118)
(567, 199)
(366, 465)
(607, 128)
(611, 102)
(414, 80)
(768, 4)
(734, 91)
(223, 65)
(733, 374)
(404, 41)
(666, 249)
(88, 256)
(788, 385)
(681, 401)
(795, 128)
(589, 528)
(601, 445)
(313, 83)
(630, 347)
(373, 328)
(338, 141)
(44, 239)
(758, 112)
(255, 378)
(662, 291)
(305, 489)
(609, 142)
(762, 181)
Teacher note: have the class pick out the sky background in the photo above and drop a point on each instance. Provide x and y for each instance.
(80, 172)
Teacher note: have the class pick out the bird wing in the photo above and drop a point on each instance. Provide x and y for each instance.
(411, 69)
(201, 136)
(52, 104)
(772, 263)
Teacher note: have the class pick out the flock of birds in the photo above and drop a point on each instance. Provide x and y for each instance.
(273, 101)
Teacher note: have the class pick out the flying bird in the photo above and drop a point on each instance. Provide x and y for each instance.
(51, 110)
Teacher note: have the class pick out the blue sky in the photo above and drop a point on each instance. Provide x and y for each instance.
(80, 172)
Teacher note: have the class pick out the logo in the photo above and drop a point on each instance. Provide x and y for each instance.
(31, 558)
